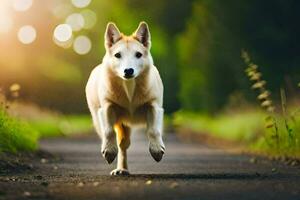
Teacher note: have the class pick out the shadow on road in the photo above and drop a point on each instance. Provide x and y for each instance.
(216, 176)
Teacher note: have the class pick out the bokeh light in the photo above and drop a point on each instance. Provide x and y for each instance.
(6, 23)
(81, 3)
(27, 34)
(63, 33)
(90, 18)
(76, 21)
(82, 45)
(62, 10)
(22, 5)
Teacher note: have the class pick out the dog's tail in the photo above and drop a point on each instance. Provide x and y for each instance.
(123, 135)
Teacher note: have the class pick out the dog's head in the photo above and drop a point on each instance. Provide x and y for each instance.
(128, 56)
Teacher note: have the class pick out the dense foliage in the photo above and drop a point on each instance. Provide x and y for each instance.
(196, 46)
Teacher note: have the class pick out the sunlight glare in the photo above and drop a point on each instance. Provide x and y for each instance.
(81, 3)
(61, 11)
(6, 21)
(76, 21)
(27, 34)
(82, 45)
(22, 5)
(63, 32)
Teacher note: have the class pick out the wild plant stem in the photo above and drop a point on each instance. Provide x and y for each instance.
(284, 114)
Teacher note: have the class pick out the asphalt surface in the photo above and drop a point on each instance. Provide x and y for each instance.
(74, 169)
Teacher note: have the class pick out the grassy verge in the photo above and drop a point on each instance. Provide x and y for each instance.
(22, 125)
(61, 125)
(16, 135)
(50, 123)
(246, 128)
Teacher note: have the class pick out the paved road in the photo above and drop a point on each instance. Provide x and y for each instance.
(188, 171)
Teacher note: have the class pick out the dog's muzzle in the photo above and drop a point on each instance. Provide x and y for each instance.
(128, 73)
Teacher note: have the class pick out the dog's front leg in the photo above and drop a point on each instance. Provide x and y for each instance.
(107, 118)
(155, 115)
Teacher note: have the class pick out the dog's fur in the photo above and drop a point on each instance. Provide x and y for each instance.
(116, 103)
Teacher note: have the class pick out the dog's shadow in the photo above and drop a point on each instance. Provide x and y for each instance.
(213, 176)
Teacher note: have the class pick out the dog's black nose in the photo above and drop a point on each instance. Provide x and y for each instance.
(128, 72)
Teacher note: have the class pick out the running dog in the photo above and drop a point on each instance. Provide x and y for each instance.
(126, 90)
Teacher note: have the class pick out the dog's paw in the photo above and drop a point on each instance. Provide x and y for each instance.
(156, 150)
(119, 172)
(109, 152)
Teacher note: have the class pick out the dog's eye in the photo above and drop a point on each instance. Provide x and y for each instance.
(138, 54)
(118, 55)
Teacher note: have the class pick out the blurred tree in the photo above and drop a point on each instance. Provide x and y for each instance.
(209, 49)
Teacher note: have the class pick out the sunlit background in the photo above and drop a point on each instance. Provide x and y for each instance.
(46, 49)
(49, 47)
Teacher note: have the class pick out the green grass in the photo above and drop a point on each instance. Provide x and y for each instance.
(287, 143)
(19, 135)
(62, 125)
(246, 128)
(16, 135)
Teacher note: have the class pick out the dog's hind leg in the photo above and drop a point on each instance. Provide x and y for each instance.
(123, 139)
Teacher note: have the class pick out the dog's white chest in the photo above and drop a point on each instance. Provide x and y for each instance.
(129, 88)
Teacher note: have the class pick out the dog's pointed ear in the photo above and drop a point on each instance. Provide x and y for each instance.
(112, 34)
(142, 34)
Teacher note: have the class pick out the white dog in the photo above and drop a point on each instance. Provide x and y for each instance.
(124, 90)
